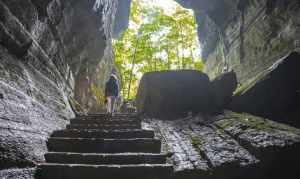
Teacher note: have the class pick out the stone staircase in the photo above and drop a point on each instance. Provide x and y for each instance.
(97, 146)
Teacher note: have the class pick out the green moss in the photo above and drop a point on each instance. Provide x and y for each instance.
(250, 83)
(254, 122)
(98, 94)
(197, 143)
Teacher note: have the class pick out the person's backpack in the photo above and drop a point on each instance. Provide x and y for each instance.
(112, 86)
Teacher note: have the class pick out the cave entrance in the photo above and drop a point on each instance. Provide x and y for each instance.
(162, 35)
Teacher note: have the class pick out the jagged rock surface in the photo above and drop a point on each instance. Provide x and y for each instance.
(229, 146)
(48, 48)
(26, 173)
(122, 17)
(247, 36)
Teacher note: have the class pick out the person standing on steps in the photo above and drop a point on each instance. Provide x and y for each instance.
(111, 92)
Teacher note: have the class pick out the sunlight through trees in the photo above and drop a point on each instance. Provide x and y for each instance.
(157, 39)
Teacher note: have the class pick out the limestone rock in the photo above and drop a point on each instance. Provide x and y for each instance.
(245, 36)
(174, 93)
(122, 17)
(45, 49)
(223, 87)
(231, 145)
(26, 173)
(273, 93)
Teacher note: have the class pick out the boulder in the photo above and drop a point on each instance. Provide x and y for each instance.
(223, 87)
(274, 93)
(174, 93)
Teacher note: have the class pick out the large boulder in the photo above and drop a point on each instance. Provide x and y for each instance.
(223, 87)
(274, 93)
(174, 93)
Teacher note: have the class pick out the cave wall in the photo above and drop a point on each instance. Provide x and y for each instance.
(247, 36)
(50, 51)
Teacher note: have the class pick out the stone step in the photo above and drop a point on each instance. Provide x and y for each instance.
(113, 134)
(105, 116)
(105, 159)
(107, 127)
(97, 145)
(106, 122)
(108, 117)
(79, 171)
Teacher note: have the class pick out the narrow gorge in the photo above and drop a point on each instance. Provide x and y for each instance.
(56, 55)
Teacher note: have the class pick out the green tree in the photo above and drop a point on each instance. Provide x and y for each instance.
(155, 41)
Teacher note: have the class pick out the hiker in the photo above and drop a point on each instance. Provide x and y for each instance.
(111, 92)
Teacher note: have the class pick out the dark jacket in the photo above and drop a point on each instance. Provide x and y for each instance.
(112, 87)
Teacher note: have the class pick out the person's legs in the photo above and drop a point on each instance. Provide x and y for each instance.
(108, 104)
(113, 101)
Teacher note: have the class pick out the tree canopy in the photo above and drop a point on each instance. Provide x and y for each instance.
(156, 40)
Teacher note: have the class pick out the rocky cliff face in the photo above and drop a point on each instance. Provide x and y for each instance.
(49, 51)
(247, 36)
(253, 38)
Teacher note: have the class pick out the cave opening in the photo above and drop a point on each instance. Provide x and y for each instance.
(161, 36)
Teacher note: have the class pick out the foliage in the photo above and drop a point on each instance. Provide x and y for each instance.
(98, 94)
(156, 41)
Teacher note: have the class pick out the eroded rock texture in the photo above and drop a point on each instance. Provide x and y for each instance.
(231, 145)
(27, 173)
(247, 36)
(250, 37)
(48, 50)
(274, 93)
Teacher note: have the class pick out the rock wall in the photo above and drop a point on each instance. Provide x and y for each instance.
(247, 36)
(50, 50)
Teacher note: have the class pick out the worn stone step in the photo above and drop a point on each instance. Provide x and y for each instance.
(106, 122)
(107, 127)
(79, 171)
(96, 145)
(105, 116)
(105, 159)
(112, 134)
